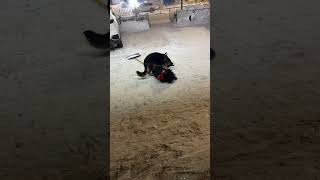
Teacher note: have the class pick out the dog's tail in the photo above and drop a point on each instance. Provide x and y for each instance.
(100, 41)
(142, 74)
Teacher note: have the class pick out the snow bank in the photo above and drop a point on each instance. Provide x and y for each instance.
(188, 48)
(145, 112)
(134, 24)
(193, 15)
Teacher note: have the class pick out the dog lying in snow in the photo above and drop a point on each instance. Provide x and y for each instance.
(157, 65)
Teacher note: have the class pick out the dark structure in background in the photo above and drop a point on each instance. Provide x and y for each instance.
(100, 41)
(54, 92)
(266, 90)
(212, 54)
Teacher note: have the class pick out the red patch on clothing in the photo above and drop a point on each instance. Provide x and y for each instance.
(161, 76)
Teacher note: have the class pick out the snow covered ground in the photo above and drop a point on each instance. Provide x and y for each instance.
(154, 123)
(187, 47)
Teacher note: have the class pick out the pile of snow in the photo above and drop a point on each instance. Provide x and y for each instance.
(188, 48)
(192, 16)
(134, 24)
(196, 6)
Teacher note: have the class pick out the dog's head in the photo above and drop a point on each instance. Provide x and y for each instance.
(167, 76)
(168, 61)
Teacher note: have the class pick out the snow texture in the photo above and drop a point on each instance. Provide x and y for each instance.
(147, 115)
(187, 47)
(192, 17)
(134, 26)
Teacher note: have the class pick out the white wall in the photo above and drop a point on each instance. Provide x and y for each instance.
(198, 16)
(134, 26)
(115, 1)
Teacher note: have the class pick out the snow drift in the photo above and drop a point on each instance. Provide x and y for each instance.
(193, 15)
(134, 23)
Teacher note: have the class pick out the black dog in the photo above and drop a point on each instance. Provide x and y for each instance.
(163, 75)
(155, 58)
(100, 41)
(157, 64)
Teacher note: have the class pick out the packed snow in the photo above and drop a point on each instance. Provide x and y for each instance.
(188, 48)
(153, 123)
(134, 26)
(192, 17)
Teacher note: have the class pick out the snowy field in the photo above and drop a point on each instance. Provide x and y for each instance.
(187, 47)
(160, 124)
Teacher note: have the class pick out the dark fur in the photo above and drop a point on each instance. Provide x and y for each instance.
(100, 41)
(153, 60)
(168, 75)
(212, 54)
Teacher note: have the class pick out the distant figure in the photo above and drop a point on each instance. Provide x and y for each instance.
(212, 54)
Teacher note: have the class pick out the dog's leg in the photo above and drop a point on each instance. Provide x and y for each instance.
(148, 70)
(151, 70)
